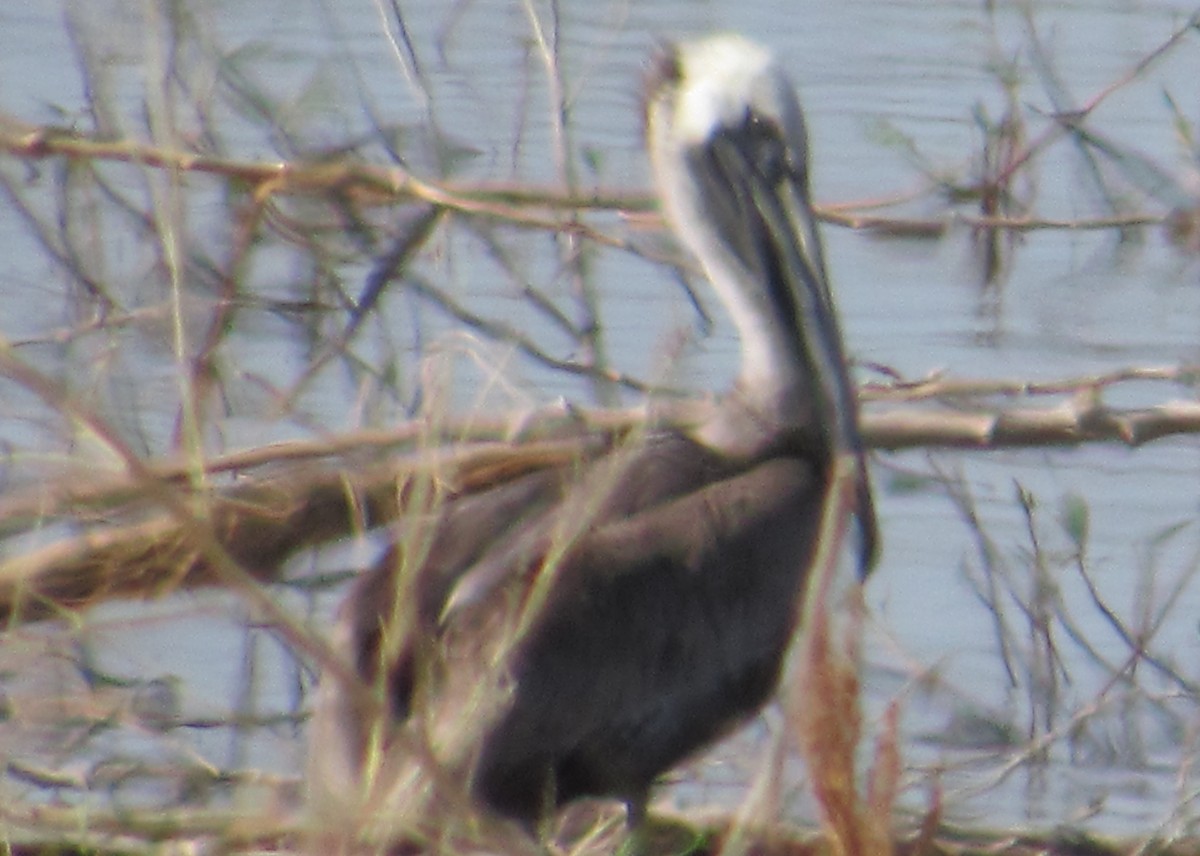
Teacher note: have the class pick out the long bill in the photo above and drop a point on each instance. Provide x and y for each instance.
(750, 174)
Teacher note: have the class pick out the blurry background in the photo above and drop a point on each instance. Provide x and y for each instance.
(1035, 611)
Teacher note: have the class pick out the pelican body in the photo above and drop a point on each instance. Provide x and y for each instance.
(579, 630)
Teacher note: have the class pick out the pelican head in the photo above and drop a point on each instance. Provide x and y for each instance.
(729, 152)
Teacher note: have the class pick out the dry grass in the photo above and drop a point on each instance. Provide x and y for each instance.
(152, 234)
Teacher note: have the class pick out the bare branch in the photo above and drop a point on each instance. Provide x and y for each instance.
(380, 185)
(1068, 425)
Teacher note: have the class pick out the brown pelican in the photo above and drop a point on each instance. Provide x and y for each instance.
(578, 631)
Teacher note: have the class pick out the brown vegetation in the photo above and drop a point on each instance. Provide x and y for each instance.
(96, 509)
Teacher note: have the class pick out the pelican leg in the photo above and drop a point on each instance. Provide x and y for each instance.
(635, 810)
(637, 833)
(645, 835)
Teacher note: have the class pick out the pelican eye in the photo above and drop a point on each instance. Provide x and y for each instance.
(765, 149)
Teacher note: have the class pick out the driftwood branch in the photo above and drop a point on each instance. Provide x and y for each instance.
(298, 495)
(259, 525)
(973, 413)
(1066, 425)
(938, 386)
